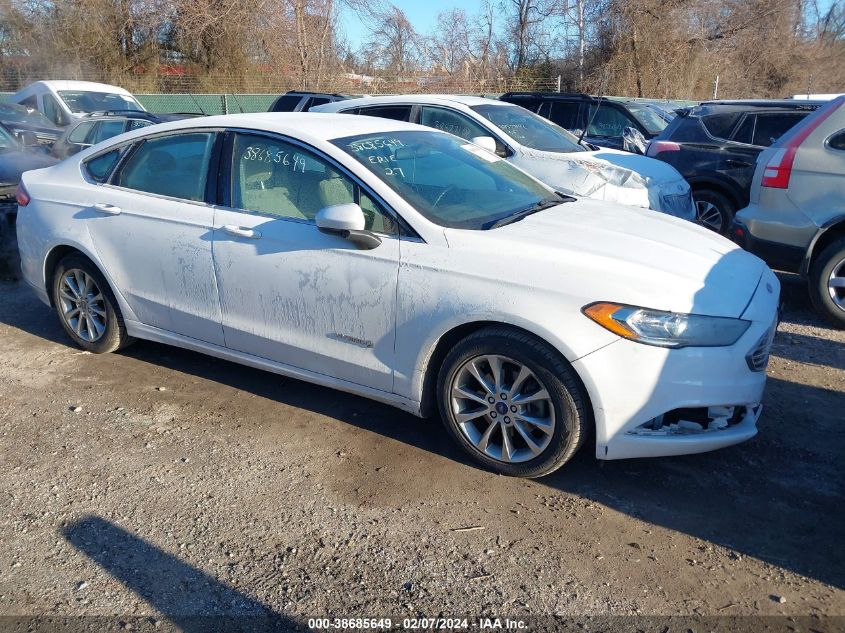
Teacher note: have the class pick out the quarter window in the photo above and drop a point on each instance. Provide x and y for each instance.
(175, 166)
(452, 122)
(80, 132)
(280, 179)
(99, 167)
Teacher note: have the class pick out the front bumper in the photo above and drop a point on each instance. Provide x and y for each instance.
(631, 384)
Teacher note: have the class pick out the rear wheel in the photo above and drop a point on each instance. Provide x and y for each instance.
(87, 308)
(511, 403)
(713, 210)
(827, 283)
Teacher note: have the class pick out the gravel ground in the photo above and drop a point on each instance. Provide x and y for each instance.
(158, 482)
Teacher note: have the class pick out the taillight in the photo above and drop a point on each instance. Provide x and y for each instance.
(658, 147)
(778, 170)
(21, 195)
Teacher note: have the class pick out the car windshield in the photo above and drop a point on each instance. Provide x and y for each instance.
(530, 129)
(89, 101)
(649, 119)
(450, 181)
(11, 113)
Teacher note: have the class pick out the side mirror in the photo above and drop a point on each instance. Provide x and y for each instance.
(485, 142)
(347, 221)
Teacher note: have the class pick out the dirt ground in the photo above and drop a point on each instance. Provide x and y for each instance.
(158, 482)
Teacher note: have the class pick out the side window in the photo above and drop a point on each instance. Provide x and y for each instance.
(277, 178)
(452, 122)
(80, 132)
(137, 124)
(397, 113)
(99, 167)
(745, 132)
(526, 102)
(106, 130)
(837, 141)
(607, 121)
(52, 110)
(174, 166)
(720, 125)
(772, 125)
(565, 114)
(318, 101)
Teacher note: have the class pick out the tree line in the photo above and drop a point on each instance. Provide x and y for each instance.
(643, 48)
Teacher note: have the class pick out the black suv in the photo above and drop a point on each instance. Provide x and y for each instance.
(715, 146)
(605, 119)
(301, 101)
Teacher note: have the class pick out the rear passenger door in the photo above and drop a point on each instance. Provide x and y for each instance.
(289, 292)
(151, 225)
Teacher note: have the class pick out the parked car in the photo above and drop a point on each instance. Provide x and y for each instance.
(301, 101)
(28, 125)
(536, 145)
(64, 101)
(795, 219)
(16, 158)
(99, 126)
(510, 307)
(605, 120)
(715, 146)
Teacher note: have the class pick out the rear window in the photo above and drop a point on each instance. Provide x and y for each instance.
(286, 103)
(720, 125)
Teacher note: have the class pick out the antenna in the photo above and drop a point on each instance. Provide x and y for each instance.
(235, 97)
(197, 103)
(603, 86)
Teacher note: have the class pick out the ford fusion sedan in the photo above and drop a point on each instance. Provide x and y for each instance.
(412, 267)
(538, 146)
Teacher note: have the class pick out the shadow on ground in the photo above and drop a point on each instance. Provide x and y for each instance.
(775, 498)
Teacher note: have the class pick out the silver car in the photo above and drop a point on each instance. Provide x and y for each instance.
(796, 218)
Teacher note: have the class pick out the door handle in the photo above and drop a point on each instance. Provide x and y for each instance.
(108, 209)
(239, 231)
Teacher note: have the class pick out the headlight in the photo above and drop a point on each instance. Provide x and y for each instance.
(666, 329)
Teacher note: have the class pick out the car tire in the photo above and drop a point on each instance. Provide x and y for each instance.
(91, 317)
(713, 210)
(829, 300)
(546, 372)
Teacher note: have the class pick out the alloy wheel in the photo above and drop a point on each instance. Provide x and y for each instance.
(502, 408)
(83, 307)
(709, 215)
(836, 284)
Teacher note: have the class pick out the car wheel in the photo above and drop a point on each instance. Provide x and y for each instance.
(513, 404)
(87, 308)
(827, 283)
(713, 210)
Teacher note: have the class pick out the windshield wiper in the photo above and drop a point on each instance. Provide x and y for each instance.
(534, 208)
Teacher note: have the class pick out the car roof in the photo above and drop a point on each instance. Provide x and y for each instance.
(72, 84)
(305, 125)
(467, 100)
(796, 104)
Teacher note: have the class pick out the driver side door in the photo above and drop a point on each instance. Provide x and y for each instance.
(289, 292)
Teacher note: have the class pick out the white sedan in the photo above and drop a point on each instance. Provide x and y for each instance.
(408, 266)
(538, 146)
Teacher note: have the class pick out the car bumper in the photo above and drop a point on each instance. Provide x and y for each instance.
(630, 406)
(779, 256)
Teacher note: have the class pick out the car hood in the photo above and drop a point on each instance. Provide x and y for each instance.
(14, 162)
(597, 251)
(606, 174)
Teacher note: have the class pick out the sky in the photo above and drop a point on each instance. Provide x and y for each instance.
(421, 13)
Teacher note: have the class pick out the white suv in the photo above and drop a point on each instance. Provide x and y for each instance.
(538, 146)
(65, 101)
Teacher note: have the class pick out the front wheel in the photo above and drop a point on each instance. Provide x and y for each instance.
(827, 283)
(511, 403)
(713, 210)
(87, 308)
